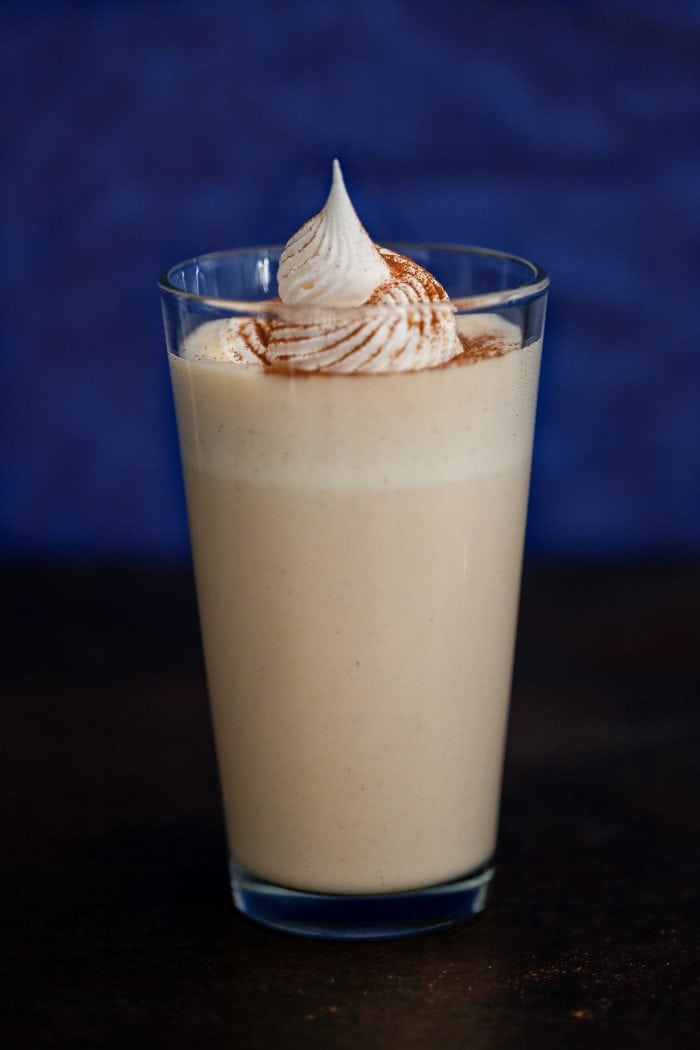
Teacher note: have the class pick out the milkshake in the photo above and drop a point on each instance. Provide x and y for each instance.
(356, 458)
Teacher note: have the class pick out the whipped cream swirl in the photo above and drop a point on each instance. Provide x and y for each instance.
(332, 266)
(331, 259)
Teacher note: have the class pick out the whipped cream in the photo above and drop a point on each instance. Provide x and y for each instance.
(353, 306)
(332, 258)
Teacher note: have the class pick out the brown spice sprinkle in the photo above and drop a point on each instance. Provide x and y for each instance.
(405, 274)
(405, 271)
(480, 349)
(483, 348)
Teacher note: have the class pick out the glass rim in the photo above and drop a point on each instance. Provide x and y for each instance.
(512, 296)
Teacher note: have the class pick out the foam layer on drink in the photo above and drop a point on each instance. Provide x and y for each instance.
(369, 431)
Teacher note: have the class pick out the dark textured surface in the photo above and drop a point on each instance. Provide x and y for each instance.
(136, 134)
(118, 927)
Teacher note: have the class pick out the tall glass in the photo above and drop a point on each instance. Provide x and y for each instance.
(357, 543)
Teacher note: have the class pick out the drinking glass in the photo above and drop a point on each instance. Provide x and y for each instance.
(357, 543)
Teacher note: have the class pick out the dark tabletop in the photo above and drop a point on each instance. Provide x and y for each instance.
(118, 926)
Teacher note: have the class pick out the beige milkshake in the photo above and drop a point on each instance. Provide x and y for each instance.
(357, 496)
(357, 546)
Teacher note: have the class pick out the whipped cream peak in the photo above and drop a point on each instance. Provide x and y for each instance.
(331, 259)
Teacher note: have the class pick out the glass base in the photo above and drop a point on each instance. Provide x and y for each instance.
(360, 917)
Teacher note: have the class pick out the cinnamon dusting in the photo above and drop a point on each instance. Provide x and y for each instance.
(427, 341)
(482, 348)
(408, 282)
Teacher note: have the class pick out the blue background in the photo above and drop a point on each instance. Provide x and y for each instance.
(138, 134)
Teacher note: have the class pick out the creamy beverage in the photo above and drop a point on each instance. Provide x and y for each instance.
(357, 494)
